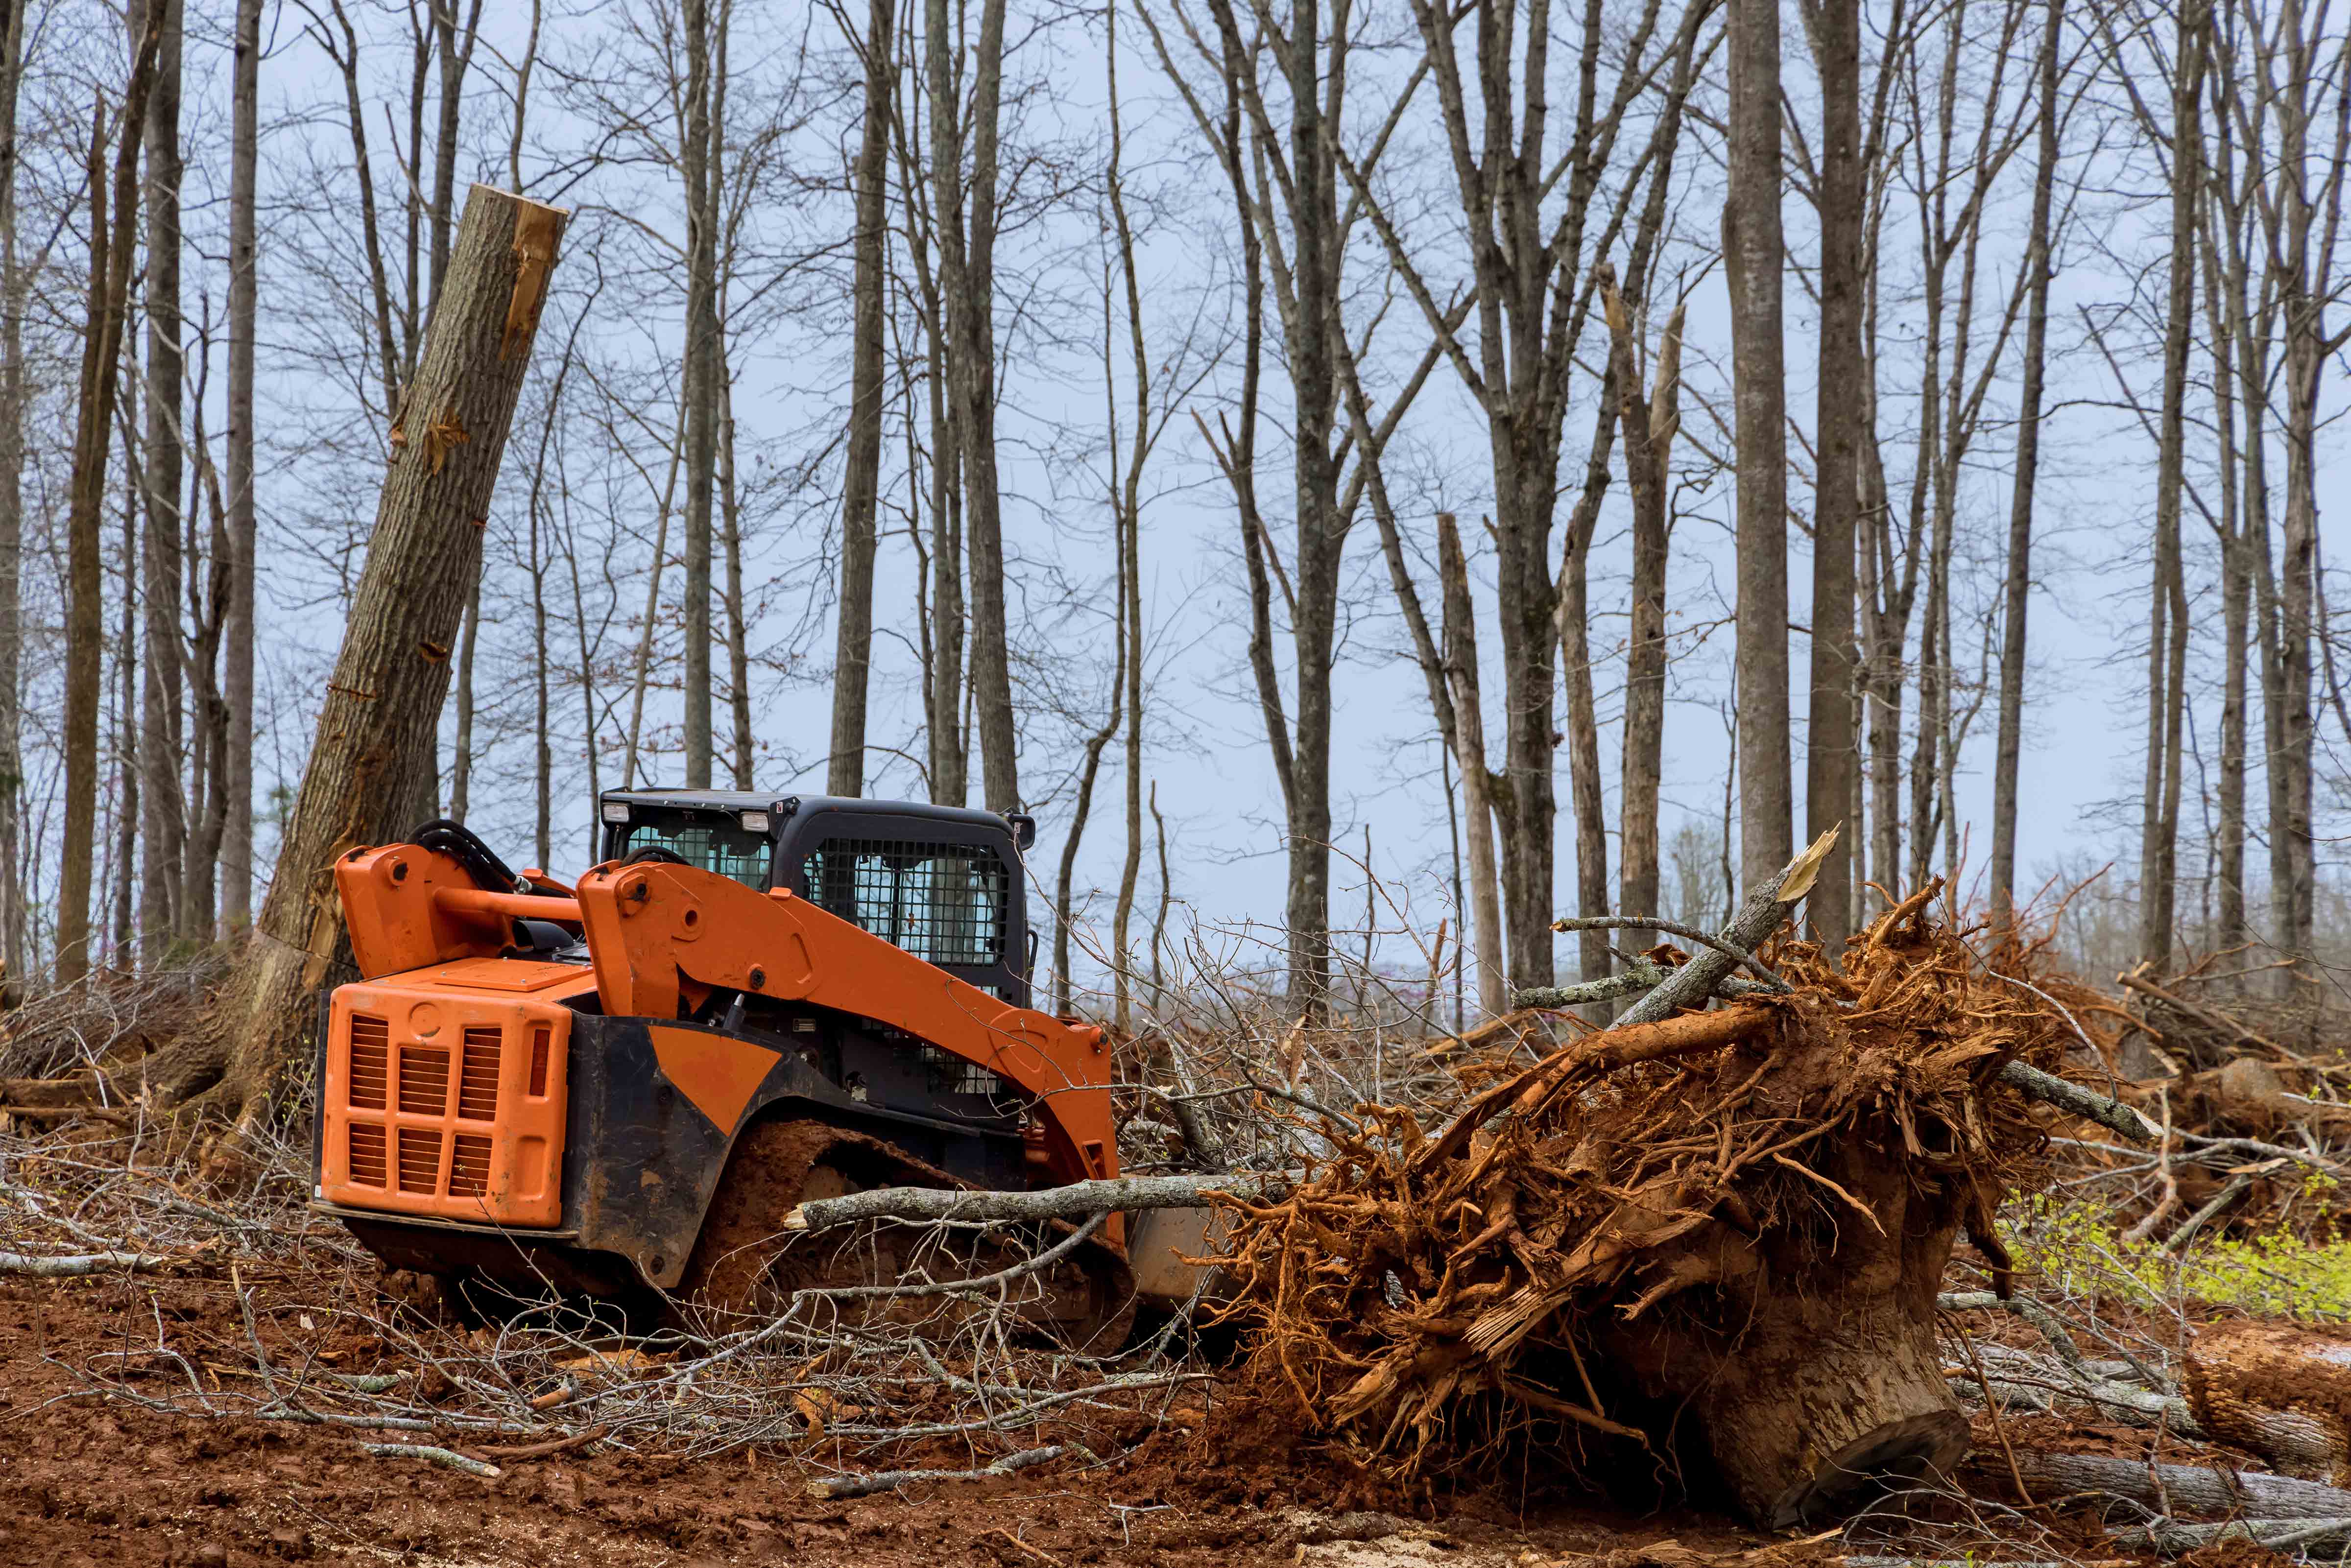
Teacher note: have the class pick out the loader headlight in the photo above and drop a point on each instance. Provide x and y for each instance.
(755, 821)
(616, 810)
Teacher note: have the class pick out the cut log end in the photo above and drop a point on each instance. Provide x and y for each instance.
(1900, 1453)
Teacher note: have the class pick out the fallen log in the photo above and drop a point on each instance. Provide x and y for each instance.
(67, 1113)
(82, 1089)
(2122, 1120)
(1759, 915)
(2283, 1390)
(867, 1485)
(76, 1265)
(448, 1459)
(2174, 1489)
(1076, 1201)
(2173, 1539)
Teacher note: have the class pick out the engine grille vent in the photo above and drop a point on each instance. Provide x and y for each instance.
(423, 1080)
(366, 1154)
(478, 1075)
(469, 1167)
(371, 1061)
(420, 1156)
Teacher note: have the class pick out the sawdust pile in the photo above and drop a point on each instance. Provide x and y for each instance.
(1703, 1217)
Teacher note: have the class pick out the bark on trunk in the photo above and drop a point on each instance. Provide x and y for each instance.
(1470, 758)
(701, 372)
(236, 681)
(1754, 252)
(393, 672)
(163, 818)
(1832, 757)
(12, 515)
(1322, 530)
(975, 375)
(1649, 420)
(111, 247)
(2292, 851)
(2167, 620)
(1126, 495)
(852, 657)
(1581, 719)
(2017, 586)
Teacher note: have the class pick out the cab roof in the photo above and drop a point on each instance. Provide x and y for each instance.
(805, 805)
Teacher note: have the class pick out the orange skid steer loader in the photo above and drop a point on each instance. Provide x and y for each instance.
(752, 1001)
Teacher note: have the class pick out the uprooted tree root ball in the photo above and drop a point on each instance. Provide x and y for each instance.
(1715, 1237)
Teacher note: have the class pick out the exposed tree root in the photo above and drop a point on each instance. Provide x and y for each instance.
(1741, 1215)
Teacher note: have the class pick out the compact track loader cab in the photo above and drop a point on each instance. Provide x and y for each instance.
(751, 1000)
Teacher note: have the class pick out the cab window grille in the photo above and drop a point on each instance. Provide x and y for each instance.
(720, 847)
(951, 1073)
(944, 904)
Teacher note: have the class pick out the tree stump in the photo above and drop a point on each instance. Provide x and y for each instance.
(1809, 1366)
(2282, 1390)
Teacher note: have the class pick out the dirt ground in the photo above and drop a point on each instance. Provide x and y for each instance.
(88, 1481)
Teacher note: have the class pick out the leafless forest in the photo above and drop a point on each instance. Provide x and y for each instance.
(1675, 660)
(1033, 409)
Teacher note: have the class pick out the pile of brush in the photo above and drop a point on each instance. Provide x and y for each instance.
(1716, 1235)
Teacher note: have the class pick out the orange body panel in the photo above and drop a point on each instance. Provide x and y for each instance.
(655, 930)
(444, 1091)
(407, 906)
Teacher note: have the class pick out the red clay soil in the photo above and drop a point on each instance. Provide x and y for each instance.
(86, 1480)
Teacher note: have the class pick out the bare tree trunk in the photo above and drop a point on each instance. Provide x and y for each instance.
(2167, 628)
(123, 952)
(738, 627)
(163, 827)
(461, 759)
(2225, 276)
(13, 921)
(110, 247)
(209, 560)
(1477, 782)
(950, 756)
(2293, 851)
(392, 672)
(236, 855)
(1126, 495)
(2301, 216)
(1754, 253)
(2017, 586)
(1159, 916)
(1833, 755)
(1649, 421)
(701, 375)
(971, 315)
(950, 753)
(454, 58)
(861, 484)
(1081, 810)
(1581, 719)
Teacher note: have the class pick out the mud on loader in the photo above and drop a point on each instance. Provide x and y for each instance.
(621, 1088)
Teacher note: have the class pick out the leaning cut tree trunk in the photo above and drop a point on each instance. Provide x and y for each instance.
(2282, 1390)
(384, 699)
